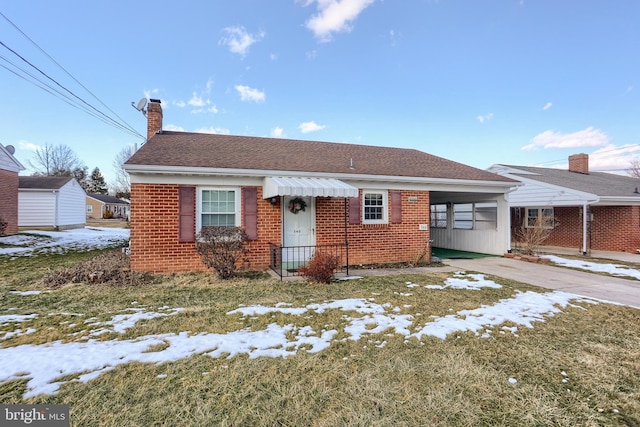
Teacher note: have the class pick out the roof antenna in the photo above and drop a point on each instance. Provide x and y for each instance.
(140, 106)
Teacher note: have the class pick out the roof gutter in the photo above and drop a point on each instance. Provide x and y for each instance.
(182, 170)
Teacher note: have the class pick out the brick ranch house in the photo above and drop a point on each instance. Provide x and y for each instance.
(10, 167)
(379, 200)
(592, 210)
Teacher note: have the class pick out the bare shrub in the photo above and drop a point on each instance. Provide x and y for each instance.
(321, 268)
(3, 226)
(221, 248)
(110, 268)
(531, 238)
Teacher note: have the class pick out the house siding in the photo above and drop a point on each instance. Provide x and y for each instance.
(53, 209)
(155, 245)
(9, 200)
(37, 209)
(71, 206)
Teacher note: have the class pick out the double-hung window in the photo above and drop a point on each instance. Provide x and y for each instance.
(218, 207)
(374, 204)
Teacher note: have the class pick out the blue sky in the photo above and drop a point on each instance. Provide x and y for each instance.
(479, 82)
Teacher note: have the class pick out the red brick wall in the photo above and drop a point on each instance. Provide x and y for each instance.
(155, 246)
(9, 200)
(614, 228)
(376, 243)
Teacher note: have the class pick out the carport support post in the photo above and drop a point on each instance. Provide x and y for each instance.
(346, 239)
(585, 212)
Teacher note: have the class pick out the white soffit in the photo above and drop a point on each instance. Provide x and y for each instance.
(314, 187)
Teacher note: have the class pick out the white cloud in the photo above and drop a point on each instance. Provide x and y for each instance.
(308, 127)
(273, 56)
(213, 130)
(196, 101)
(250, 94)
(277, 132)
(547, 106)
(588, 137)
(153, 93)
(173, 128)
(180, 104)
(28, 146)
(482, 119)
(335, 16)
(238, 40)
(312, 54)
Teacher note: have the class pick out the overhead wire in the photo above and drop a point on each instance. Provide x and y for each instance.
(78, 102)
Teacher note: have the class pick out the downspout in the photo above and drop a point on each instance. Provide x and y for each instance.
(56, 210)
(585, 225)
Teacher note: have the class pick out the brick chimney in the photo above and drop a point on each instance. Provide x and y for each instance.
(579, 163)
(154, 118)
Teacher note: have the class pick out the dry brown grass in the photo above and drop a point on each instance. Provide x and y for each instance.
(459, 381)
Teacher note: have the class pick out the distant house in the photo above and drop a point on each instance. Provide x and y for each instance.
(105, 206)
(590, 210)
(51, 202)
(10, 167)
(367, 204)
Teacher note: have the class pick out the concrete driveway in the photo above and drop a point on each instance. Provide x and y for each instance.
(621, 291)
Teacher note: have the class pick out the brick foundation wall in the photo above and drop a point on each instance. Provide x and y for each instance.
(9, 200)
(614, 228)
(155, 246)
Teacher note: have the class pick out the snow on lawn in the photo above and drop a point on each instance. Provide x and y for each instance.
(613, 269)
(79, 239)
(42, 365)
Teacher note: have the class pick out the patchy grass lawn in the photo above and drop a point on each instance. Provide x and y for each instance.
(580, 366)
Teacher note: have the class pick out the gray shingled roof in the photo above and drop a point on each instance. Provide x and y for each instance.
(105, 198)
(273, 154)
(599, 183)
(43, 182)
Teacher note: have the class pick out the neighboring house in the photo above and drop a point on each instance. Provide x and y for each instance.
(51, 202)
(293, 197)
(10, 167)
(105, 206)
(591, 210)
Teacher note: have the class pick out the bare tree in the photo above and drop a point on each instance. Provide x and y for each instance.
(531, 236)
(634, 168)
(122, 182)
(55, 160)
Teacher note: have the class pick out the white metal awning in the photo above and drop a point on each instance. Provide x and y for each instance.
(314, 187)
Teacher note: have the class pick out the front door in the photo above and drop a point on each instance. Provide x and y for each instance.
(298, 231)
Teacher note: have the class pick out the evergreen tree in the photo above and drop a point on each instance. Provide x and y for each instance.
(97, 184)
(80, 174)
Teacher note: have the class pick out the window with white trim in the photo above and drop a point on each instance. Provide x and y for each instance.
(463, 216)
(485, 216)
(218, 207)
(89, 209)
(439, 216)
(475, 216)
(374, 207)
(540, 217)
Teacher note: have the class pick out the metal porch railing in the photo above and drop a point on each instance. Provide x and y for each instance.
(286, 260)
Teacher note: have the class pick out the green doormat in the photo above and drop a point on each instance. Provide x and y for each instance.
(443, 253)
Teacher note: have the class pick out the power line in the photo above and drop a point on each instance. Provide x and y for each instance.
(88, 108)
(82, 104)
